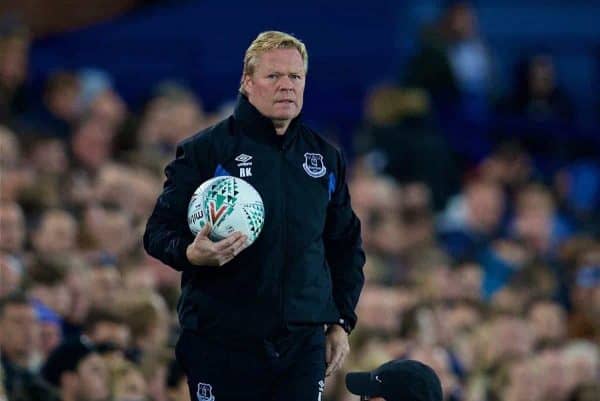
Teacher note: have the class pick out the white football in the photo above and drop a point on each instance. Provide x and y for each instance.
(230, 204)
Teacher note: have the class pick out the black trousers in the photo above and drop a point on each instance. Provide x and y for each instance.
(290, 367)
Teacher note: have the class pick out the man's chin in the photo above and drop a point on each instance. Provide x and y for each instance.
(284, 116)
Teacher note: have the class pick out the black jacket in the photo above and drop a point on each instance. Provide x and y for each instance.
(305, 267)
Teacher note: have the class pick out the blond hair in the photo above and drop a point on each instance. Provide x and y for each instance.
(266, 41)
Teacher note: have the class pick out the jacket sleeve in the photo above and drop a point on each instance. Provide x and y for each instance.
(343, 247)
(167, 235)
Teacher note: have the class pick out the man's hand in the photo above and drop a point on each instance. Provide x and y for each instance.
(336, 348)
(204, 252)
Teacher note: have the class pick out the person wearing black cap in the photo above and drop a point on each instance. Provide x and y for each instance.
(397, 380)
(78, 372)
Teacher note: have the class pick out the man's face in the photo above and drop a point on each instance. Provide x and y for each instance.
(276, 88)
(548, 321)
(115, 333)
(10, 275)
(12, 228)
(18, 336)
(93, 379)
(13, 62)
(105, 285)
(57, 233)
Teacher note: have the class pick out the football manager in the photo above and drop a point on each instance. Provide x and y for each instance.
(271, 320)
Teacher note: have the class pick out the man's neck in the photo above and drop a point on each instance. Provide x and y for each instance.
(281, 126)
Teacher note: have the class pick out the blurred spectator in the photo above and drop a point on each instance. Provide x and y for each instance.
(47, 155)
(15, 178)
(380, 308)
(50, 329)
(46, 287)
(11, 275)
(12, 229)
(472, 219)
(91, 144)
(537, 223)
(57, 113)
(403, 141)
(468, 276)
(18, 342)
(98, 99)
(46, 284)
(55, 233)
(377, 202)
(171, 115)
(148, 320)
(154, 367)
(9, 149)
(548, 322)
(109, 231)
(584, 321)
(582, 359)
(14, 60)
(133, 190)
(508, 165)
(107, 329)
(516, 380)
(79, 285)
(578, 187)
(453, 59)
(46, 159)
(128, 383)
(536, 93)
(105, 284)
(77, 372)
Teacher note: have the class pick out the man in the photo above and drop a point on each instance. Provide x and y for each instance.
(253, 318)
(11, 274)
(56, 233)
(18, 339)
(78, 372)
(18, 344)
(12, 229)
(107, 329)
(397, 380)
(14, 59)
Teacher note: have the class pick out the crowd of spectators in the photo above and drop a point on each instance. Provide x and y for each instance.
(486, 268)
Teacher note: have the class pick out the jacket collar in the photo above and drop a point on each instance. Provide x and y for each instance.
(257, 126)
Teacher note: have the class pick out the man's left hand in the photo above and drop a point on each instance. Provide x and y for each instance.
(336, 348)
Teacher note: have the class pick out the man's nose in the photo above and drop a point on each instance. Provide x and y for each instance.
(286, 84)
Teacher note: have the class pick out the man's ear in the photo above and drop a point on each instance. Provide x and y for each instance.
(247, 83)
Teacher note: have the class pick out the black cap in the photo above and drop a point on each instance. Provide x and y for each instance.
(397, 380)
(65, 357)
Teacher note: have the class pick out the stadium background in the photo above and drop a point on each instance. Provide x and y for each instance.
(474, 140)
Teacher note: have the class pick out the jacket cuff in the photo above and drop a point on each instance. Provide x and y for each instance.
(344, 324)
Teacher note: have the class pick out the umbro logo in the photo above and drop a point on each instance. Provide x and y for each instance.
(245, 164)
(243, 158)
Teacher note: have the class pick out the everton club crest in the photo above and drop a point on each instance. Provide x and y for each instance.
(313, 165)
(204, 392)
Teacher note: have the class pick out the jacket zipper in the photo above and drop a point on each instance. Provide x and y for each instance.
(283, 236)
